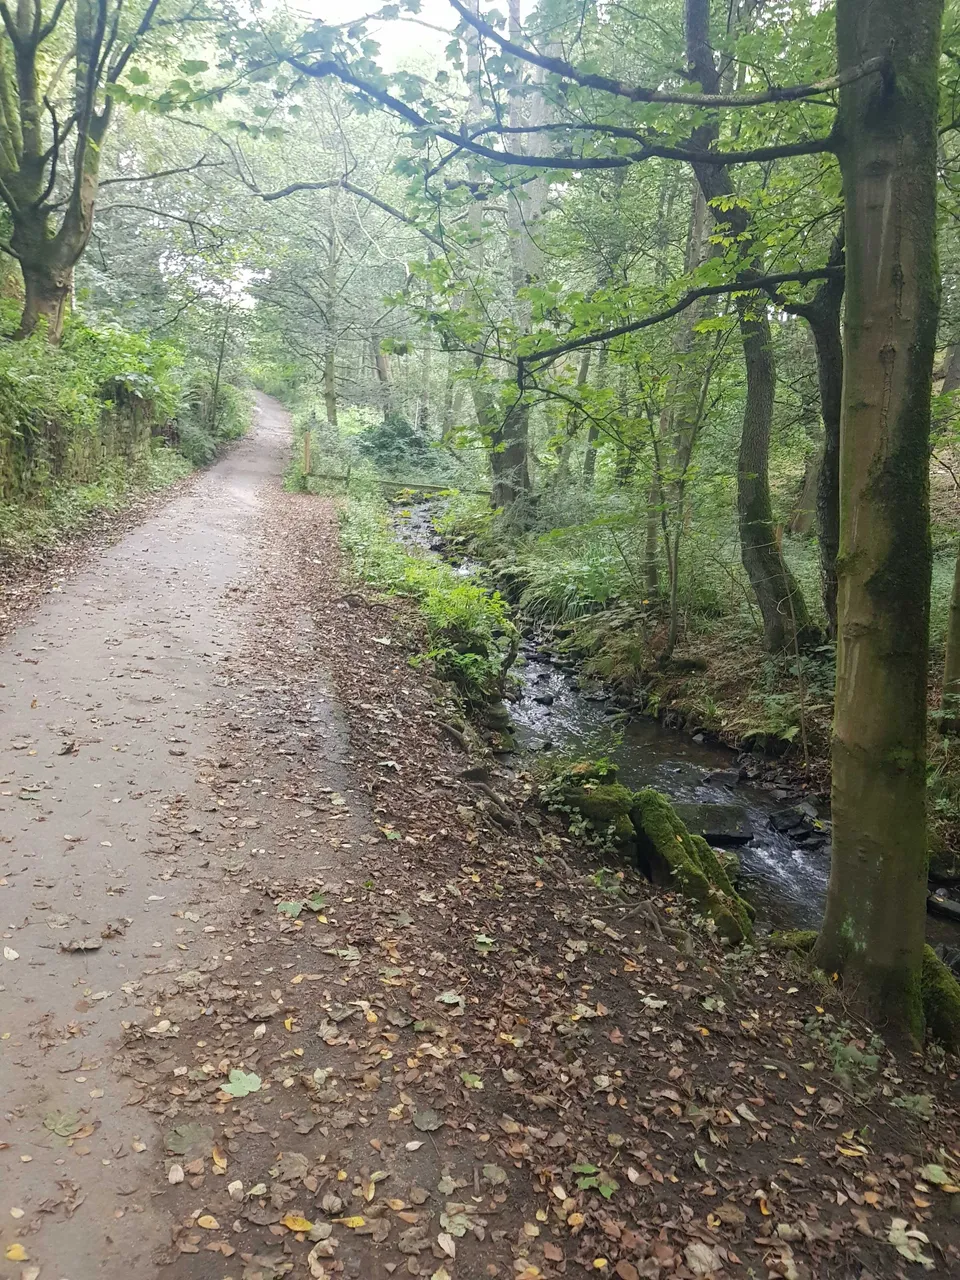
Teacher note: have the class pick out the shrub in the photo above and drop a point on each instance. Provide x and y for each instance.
(472, 640)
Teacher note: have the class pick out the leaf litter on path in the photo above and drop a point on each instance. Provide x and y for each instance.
(681, 1076)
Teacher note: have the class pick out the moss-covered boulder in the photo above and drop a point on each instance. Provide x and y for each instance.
(670, 855)
(941, 1000)
(606, 806)
(590, 789)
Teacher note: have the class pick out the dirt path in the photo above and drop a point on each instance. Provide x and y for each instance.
(346, 1015)
(114, 701)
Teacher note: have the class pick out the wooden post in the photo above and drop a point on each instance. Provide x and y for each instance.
(306, 453)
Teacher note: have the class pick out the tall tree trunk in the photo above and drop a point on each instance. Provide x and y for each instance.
(873, 931)
(651, 572)
(590, 454)
(950, 699)
(823, 316)
(330, 384)
(382, 367)
(509, 462)
(46, 294)
(785, 618)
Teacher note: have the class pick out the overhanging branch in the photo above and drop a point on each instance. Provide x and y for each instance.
(639, 93)
(346, 185)
(746, 283)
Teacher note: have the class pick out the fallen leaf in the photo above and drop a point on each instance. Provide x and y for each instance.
(427, 1121)
(208, 1222)
(702, 1259)
(241, 1083)
(294, 1222)
(907, 1243)
(16, 1253)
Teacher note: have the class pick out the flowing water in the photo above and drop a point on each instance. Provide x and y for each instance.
(785, 880)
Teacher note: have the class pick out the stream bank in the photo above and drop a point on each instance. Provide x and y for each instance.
(780, 832)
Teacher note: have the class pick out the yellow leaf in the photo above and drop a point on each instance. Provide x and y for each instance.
(219, 1159)
(16, 1253)
(288, 1023)
(600, 1263)
(575, 1220)
(396, 1205)
(294, 1222)
(371, 1016)
(764, 1208)
(355, 1221)
(295, 981)
(850, 1151)
(208, 1222)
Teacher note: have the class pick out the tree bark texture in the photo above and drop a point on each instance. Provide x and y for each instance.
(786, 621)
(873, 930)
(950, 699)
(785, 618)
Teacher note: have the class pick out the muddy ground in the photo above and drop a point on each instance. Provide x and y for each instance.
(284, 991)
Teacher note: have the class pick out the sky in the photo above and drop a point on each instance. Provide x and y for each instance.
(399, 38)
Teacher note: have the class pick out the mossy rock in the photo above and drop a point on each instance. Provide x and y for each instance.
(606, 806)
(802, 940)
(941, 1000)
(599, 802)
(670, 855)
(943, 865)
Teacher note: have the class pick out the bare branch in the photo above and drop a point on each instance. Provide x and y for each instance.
(638, 93)
(346, 185)
(202, 163)
(49, 27)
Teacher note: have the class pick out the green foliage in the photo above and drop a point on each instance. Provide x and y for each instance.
(393, 444)
(210, 415)
(472, 639)
(86, 424)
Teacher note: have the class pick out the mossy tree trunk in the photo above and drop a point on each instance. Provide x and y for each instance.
(784, 612)
(823, 314)
(873, 931)
(950, 700)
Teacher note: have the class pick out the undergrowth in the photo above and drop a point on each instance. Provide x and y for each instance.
(472, 640)
(107, 414)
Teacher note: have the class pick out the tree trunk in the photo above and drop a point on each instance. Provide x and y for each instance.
(823, 316)
(873, 931)
(46, 295)
(785, 618)
(382, 367)
(651, 573)
(950, 700)
(804, 517)
(590, 454)
(330, 385)
(508, 462)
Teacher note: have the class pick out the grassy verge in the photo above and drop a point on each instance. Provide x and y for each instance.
(29, 529)
(472, 641)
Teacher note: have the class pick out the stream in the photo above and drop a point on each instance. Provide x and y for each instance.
(783, 845)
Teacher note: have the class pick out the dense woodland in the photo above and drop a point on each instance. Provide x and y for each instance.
(664, 293)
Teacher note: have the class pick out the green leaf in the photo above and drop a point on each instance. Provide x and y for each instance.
(241, 1083)
(193, 67)
(136, 75)
(470, 1080)
(291, 909)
